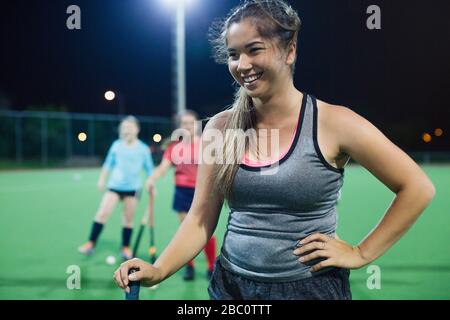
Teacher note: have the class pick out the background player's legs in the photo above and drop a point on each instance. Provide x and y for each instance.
(129, 207)
(107, 205)
(210, 253)
(109, 202)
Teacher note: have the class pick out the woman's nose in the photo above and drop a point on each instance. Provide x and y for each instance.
(244, 64)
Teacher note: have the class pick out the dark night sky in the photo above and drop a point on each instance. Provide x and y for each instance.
(397, 77)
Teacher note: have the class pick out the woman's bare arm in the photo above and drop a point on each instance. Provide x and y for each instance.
(102, 179)
(394, 168)
(363, 142)
(192, 235)
(160, 170)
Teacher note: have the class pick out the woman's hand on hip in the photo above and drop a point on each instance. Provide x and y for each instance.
(336, 252)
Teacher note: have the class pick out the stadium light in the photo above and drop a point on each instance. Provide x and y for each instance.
(426, 137)
(176, 2)
(110, 95)
(82, 137)
(157, 137)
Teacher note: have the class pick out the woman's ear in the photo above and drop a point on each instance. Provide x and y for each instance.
(292, 53)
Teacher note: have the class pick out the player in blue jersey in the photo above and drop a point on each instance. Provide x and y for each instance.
(126, 158)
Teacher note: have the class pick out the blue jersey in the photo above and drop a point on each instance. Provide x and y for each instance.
(125, 164)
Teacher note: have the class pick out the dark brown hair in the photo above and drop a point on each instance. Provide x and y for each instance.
(275, 20)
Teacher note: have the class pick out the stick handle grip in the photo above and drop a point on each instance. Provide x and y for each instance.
(134, 287)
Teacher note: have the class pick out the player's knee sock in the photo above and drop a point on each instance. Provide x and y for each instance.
(95, 231)
(191, 263)
(210, 252)
(126, 236)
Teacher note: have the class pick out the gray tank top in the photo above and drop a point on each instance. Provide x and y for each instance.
(270, 213)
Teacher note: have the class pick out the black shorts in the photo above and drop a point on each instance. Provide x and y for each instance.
(331, 285)
(123, 194)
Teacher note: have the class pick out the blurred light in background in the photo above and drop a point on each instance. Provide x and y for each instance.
(82, 136)
(157, 137)
(438, 132)
(110, 95)
(426, 137)
(176, 2)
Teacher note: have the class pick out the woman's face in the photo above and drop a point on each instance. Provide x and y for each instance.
(255, 63)
(128, 131)
(188, 122)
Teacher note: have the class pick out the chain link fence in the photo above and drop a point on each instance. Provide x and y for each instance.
(59, 139)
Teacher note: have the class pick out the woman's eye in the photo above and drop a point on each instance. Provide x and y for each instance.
(232, 56)
(254, 50)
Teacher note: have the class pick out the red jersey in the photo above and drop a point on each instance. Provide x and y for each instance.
(184, 156)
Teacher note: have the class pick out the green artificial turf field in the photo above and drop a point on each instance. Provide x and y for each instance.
(46, 214)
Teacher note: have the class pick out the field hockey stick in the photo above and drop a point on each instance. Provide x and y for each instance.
(151, 211)
(134, 287)
(144, 223)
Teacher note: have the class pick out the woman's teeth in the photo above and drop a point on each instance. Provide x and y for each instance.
(252, 78)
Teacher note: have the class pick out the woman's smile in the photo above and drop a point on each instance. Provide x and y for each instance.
(251, 82)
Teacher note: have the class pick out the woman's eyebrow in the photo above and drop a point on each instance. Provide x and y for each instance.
(253, 43)
(247, 45)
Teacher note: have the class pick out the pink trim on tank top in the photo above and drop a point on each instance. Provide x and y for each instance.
(246, 161)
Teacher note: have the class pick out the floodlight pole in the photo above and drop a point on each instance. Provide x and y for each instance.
(180, 58)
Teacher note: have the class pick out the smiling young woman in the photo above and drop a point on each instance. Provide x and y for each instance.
(281, 240)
